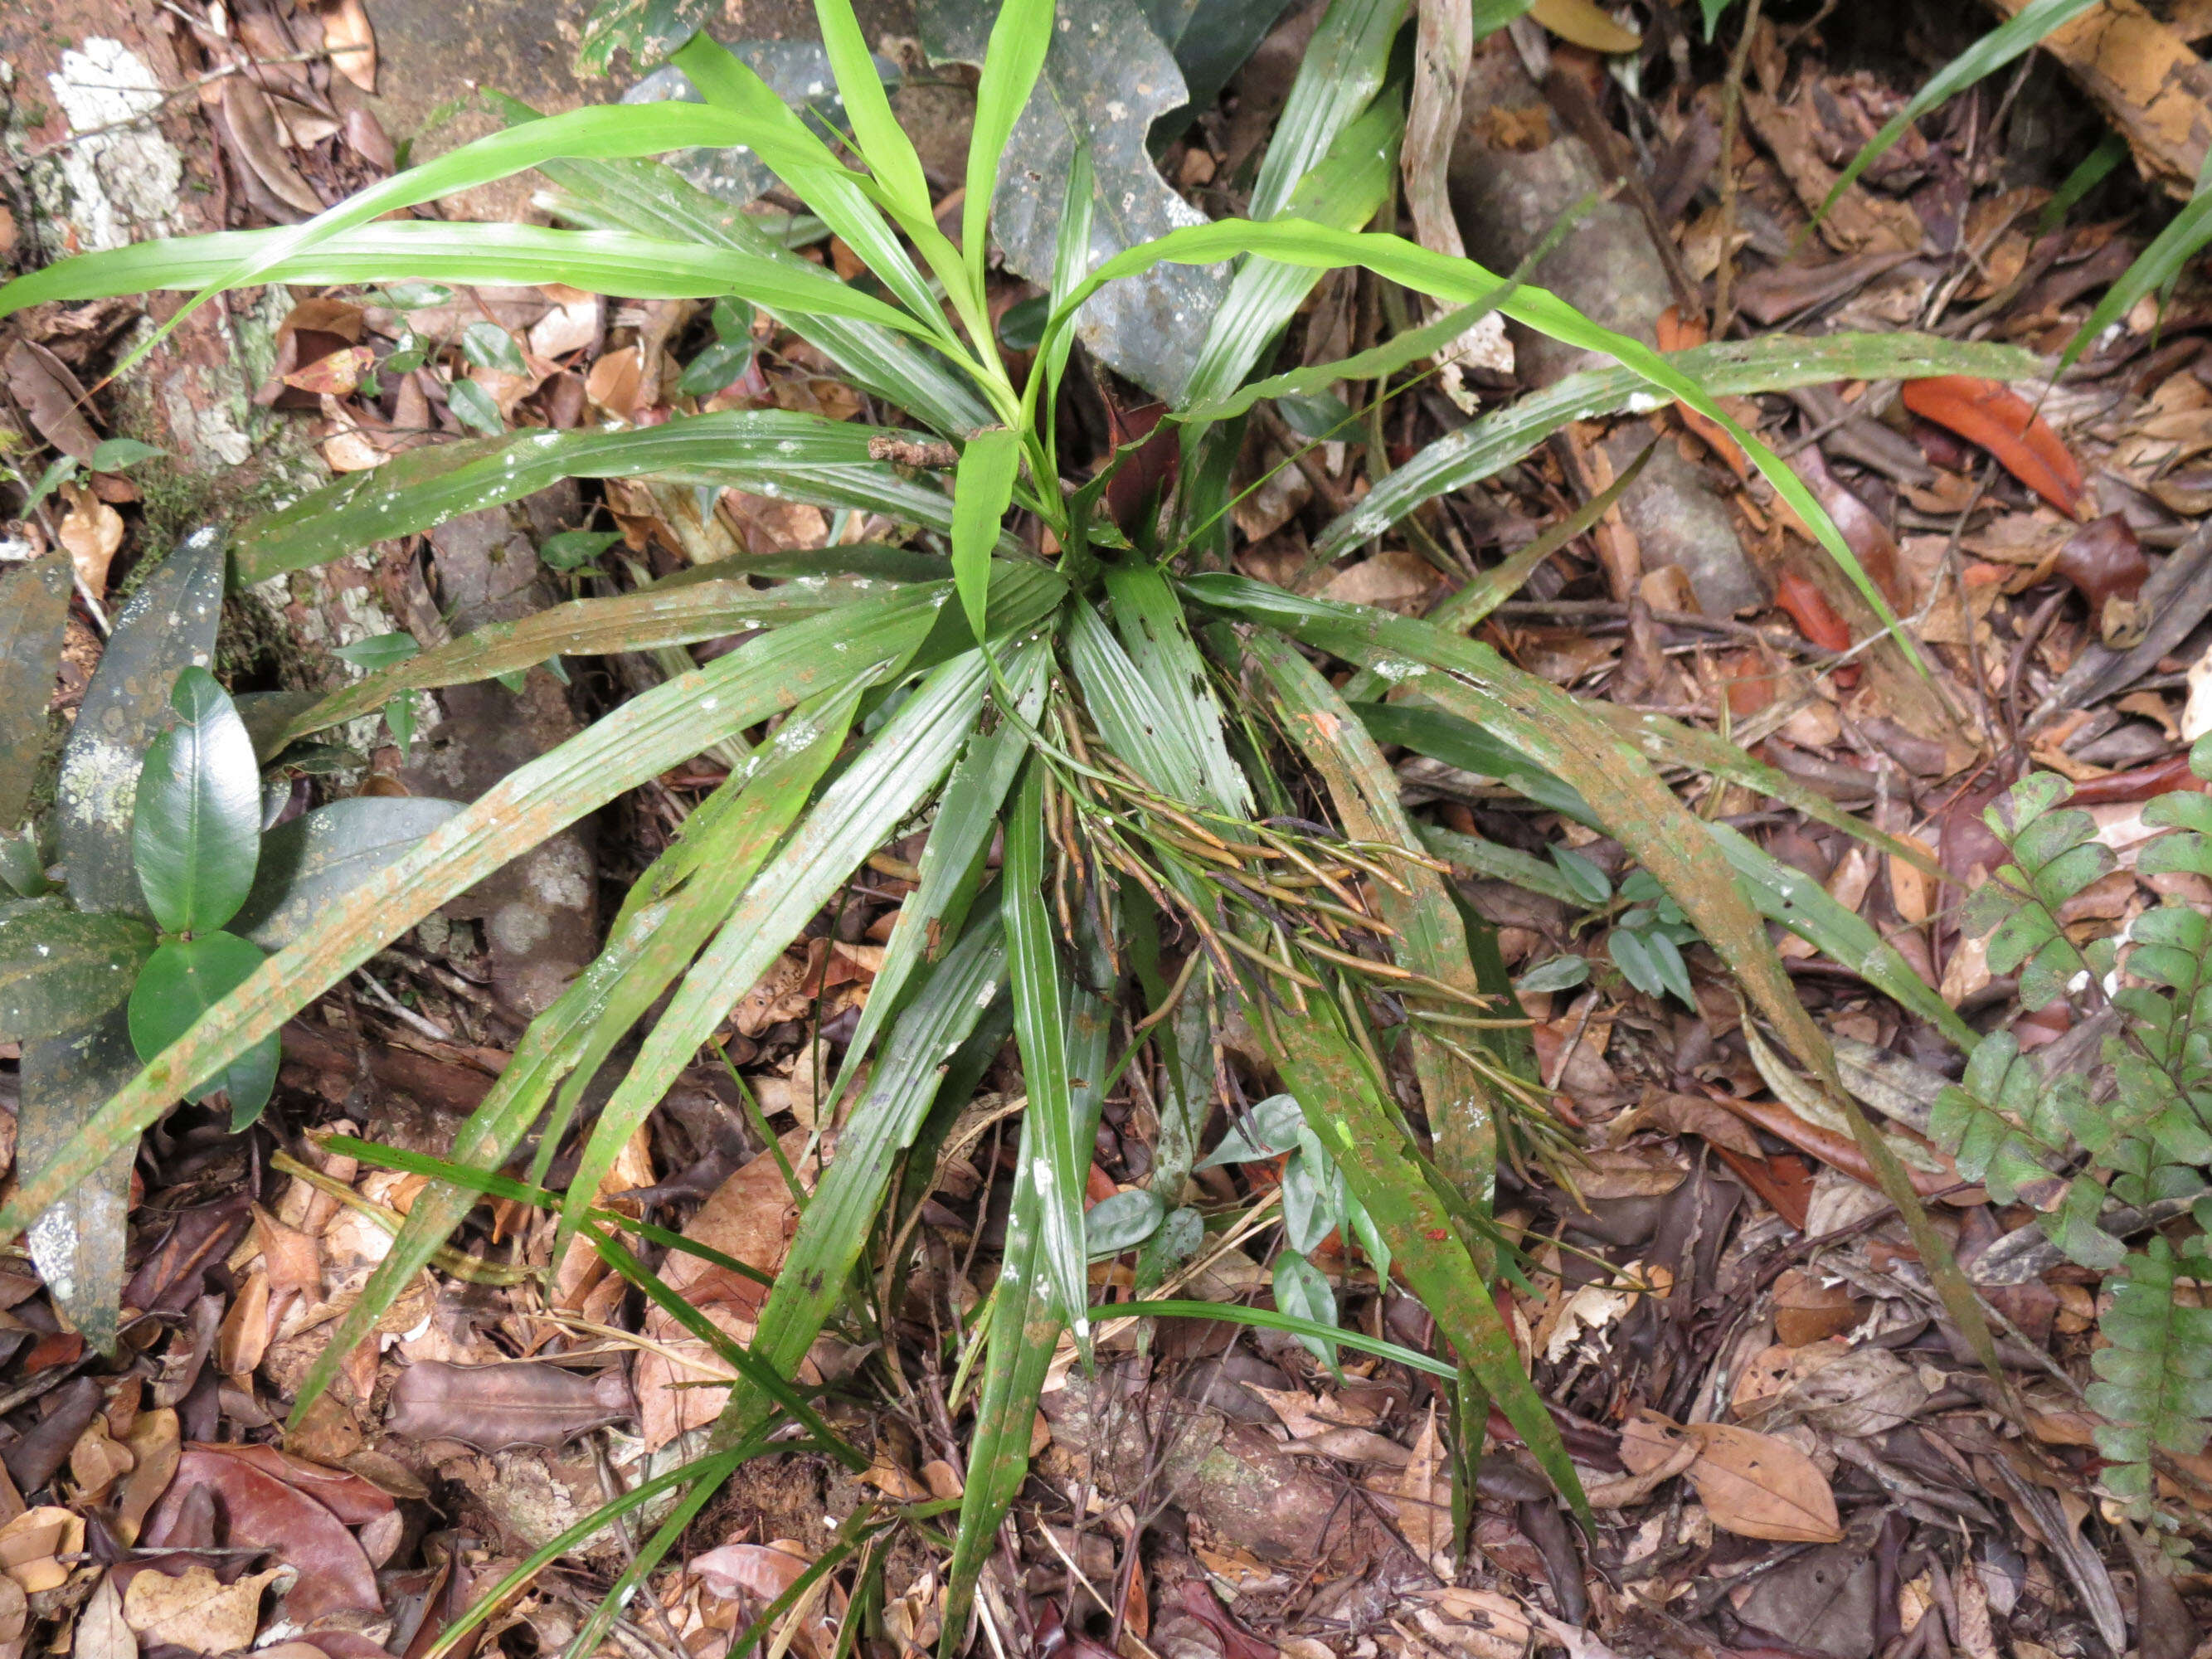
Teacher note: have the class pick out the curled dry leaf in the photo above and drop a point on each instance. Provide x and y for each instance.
(1583, 23)
(30, 1543)
(251, 122)
(2104, 562)
(350, 42)
(196, 1610)
(491, 1406)
(2003, 422)
(338, 374)
(51, 398)
(92, 531)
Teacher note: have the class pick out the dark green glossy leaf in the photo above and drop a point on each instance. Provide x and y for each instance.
(61, 971)
(1021, 324)
(1303, 1291)
(487, 345)
(196, 833)
(648, 30)
(34, 613)
(168, 626)
(1121, 1222)
(473, 407)
(716, 366)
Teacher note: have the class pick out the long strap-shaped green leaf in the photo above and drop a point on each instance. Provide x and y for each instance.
(834, 1229)
(1431, 937)
(644, 738)
(1725, 368)
(807, 167)
(600, 261)
(671, 911)
(1638, 808)
(604, 130)
(1342, 191)
(982, 490)
(1060, 1147)
(1024, 1327)
(1156, 634)
(1299, 242)
(1020, 37)
(898, 771)
(1345, 1106)
(588, 627)
(951, 867)
(798, 457)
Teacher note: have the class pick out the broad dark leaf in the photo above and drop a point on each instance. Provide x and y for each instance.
(60, 970)
(320, 857)
(33, 609)
(78, 1244)
(1210, 39)
(181, 981)
(196, 831)
(167, 627)
(1107, 77)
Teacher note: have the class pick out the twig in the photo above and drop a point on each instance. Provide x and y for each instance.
(1731, 113)
(169, 97)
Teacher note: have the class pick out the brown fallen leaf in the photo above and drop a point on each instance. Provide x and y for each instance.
(30, 1543)
(1423, 1495)
(1581, 23)
(1694, 1115)
(492, 1407)
(338, 374)
(269, 1513)
(92, 531)
(196, 1610)
(101, 1632)
(156, 1447)
(1806, 1310)
(350, 42)
(51, 397)
(1758, 1485)
(2104, 562)
(250, 121)
(1991, 414)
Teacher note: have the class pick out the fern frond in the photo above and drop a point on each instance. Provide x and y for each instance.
(2155, 1382)
(2055, 856)
(2000, 1121)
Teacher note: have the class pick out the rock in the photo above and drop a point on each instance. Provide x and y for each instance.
(1515, 170)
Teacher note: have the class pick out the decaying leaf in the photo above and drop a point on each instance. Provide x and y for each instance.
(490, 1407)
(271, 1513)
(195, 1610)
(350, 41)
(92, 531)
(1758, 1485)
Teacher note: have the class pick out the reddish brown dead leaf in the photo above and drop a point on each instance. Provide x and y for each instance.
(1806, 1310)
(265, 1512)
(1868, 535)
(1691, 1115)
(2104, 562)
(1757, 1486)
(1990, 414)
(490, 1406)
(1810, 609)
(51, 397)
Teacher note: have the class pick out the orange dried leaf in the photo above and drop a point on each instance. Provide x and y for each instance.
(1990, 414)
(1810, 609)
